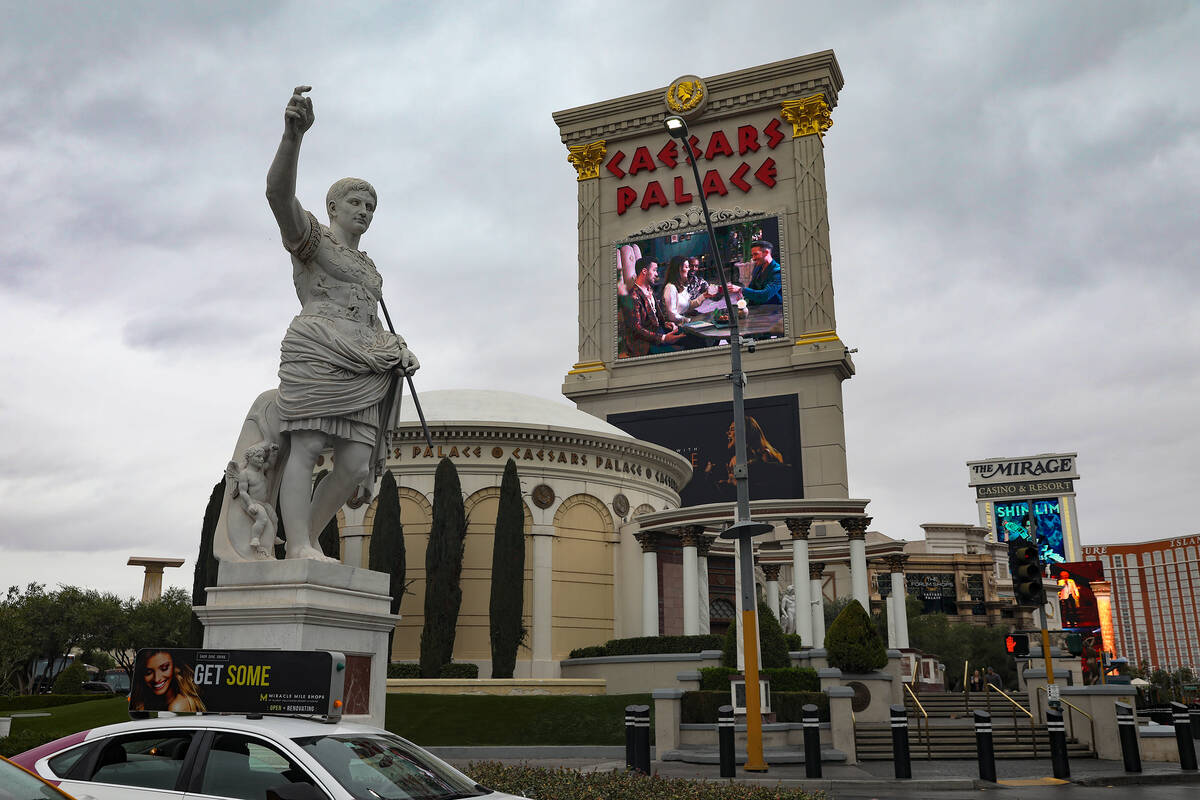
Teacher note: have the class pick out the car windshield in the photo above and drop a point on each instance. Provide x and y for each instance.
(17, 783)
(379, 767)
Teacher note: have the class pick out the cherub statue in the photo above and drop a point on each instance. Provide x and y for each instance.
(787, 609)
(250, 484)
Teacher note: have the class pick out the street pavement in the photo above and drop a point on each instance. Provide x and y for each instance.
(1019, 778)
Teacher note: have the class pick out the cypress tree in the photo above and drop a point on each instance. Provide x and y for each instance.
(205, 572)
(387, 543)
(771, 642)
(508, 575)
(854, 644)
(443, 568)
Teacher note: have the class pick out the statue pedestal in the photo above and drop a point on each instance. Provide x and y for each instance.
(301, 604)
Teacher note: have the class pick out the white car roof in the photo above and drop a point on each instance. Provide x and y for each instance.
(285, 727)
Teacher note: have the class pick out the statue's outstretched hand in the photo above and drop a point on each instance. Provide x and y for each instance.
(408, 362)
(298, 117)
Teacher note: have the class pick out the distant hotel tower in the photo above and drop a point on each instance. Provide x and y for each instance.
(1155, 598)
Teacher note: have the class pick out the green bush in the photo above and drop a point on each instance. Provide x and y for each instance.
(703, 708)
(26, 702)
(403, 669)
(788, 705)
(854, 643)
(592, 651)
(716, 679)
(793, 642)
(563, 783)
(771, 642)
(459, 670)
(654, 645)
(71, 679)
(792, 679)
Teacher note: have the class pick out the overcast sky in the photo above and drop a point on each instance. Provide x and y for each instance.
(1014, 192)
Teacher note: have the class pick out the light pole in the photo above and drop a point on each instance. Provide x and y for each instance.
(743, 529)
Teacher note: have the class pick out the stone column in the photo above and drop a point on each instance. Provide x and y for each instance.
(771, 571)
(799, 528)
(812, 265)
(586, 159)
(703, 545)
(689, 537)
(816, 570)
(543, 665)
(856, 531)
(152, 581)
(899, 608)
(649, 542)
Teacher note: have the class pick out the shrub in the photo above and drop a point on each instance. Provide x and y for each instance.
(70, 679)
(771, 642)
(459, 670)
(25, 702)
(716, 679)
(854, 643)
(592, 651)
(788, 706)
(653, 645)
(403, 669)
(702, 707)
(563, 783)
(792, 679)
(793, 642)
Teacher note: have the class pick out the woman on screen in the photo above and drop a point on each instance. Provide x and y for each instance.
(160, 684)
(677, 301)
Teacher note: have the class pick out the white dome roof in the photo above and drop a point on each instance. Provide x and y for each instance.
(487, 406)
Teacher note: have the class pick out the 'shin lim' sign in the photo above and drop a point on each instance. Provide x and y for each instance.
(1059, 466)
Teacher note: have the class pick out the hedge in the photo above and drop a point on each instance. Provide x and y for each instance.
(854, 643)
(408, 669)
(790, 679)
(25, 702)
(563, 783)
(650, 645)
(793, 642)
(702, 707)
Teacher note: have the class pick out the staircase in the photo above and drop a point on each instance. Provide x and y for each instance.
(951, 733)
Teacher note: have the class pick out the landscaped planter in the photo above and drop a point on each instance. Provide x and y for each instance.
(633, 674)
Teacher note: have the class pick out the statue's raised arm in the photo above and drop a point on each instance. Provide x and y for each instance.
(298, 117)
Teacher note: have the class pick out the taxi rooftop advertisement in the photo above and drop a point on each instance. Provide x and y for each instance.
(238, 681)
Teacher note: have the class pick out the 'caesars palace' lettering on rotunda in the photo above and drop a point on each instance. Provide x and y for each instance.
(546, 455)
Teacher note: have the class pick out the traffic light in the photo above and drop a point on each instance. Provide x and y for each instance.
(1026, 570)
(1017, 644)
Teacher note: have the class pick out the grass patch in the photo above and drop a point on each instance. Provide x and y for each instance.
(462, 720)
(29, 732)
(540, 783)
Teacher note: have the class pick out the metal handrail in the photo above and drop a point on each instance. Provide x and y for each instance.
(966, 686)
(925, 714)
(988, 688)
(1071, 719)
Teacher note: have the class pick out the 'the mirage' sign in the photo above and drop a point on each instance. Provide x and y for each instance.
(1011, 470)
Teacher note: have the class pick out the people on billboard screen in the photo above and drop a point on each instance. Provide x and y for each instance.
(161, 682)
(1012, 519)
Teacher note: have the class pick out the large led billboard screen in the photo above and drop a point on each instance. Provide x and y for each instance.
(1012, 522)
(704, 434)
(1076, 599)
(668, 287)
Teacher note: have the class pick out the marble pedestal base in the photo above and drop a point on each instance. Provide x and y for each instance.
(300, 604)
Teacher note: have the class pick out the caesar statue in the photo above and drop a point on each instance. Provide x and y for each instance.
(338, 371)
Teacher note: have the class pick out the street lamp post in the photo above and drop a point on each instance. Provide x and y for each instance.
(743, 529)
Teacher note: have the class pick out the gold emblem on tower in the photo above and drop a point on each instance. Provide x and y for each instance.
(687, 96)
(586, 158)
(808, 116)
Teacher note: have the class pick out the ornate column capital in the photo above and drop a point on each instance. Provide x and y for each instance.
(586, 158)
(815, 570)
(808, 116)
(799, 526)
(648, 540)
(895, 562)
(690, 535)
(704, 544)
(855, 527)
(771, 571)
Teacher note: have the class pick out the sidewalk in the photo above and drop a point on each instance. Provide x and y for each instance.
(869, 776)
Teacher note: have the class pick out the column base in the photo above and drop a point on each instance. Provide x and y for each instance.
(302, 604)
